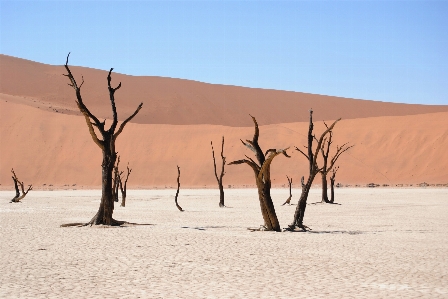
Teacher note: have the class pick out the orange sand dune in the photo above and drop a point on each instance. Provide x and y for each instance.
(180, 102)
(54, 148)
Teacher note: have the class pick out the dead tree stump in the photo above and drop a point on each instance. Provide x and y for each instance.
(18, 183)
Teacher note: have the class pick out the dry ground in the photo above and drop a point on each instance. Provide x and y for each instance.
(380, 243)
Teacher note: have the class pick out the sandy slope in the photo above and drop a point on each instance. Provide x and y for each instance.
(378, 244)
(175, 101)
(54, 148)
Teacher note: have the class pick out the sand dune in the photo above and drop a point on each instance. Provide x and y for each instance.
(46, 140)
(54, 148)
(181, 102)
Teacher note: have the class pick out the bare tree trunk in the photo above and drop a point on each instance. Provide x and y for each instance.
(332, 179)
(219, 179)
(324, 187)
(288, 201)
(267, 206)
(115, 191)
(221, 196)
(262, 172)
(106, 209)
(332, 190)
(116, 180)
(17, 190)
(299, 214)
(123, 195)
(123, 186)
(178, 187)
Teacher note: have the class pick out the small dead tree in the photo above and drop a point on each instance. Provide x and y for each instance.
(326, 168)
(314, 169)
(332, 179)
(262, 171)
(178, 186)
(288, 201)
(123, 186)
(17, 182)
(116, 180)
(219, 179)
(107, 146)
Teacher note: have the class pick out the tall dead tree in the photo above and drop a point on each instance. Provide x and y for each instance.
(262, 171)
(178, 187)
(107, 146)
(18, 183)
(288, 201)
(219, 179)
(314, 169)
(326, 168)
(123, 186)
(332, 179)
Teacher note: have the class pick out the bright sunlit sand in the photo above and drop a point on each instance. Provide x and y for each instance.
(379, 243)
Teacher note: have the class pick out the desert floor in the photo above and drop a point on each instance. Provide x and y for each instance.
(379, 243)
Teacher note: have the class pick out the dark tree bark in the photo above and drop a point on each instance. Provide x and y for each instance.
(123, 186)
(219, 179)
(324, 188)
(17, 182)
(107, 146)
(262, 171)
(178, 187)
(313, 171)
(288, 201)
(332, 179)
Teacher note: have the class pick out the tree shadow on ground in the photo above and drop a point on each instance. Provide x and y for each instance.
(203, 227)
(327, 203)
(122, 225)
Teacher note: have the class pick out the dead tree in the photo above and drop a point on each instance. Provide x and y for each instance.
(123, 186)
(116, 180)
(262, 171)
(326, 168)
(219, 179)
(17, 190)
(332, 179)
(288, 201)
(314, 169)
(17, 182)
(107, 146)
(178, 186)
(325, 150)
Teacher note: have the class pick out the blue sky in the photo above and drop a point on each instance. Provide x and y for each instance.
(393, 51)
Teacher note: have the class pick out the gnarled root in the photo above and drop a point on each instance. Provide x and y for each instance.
(78, 224)
(292, 228)
(262, 228)
(95, 221)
